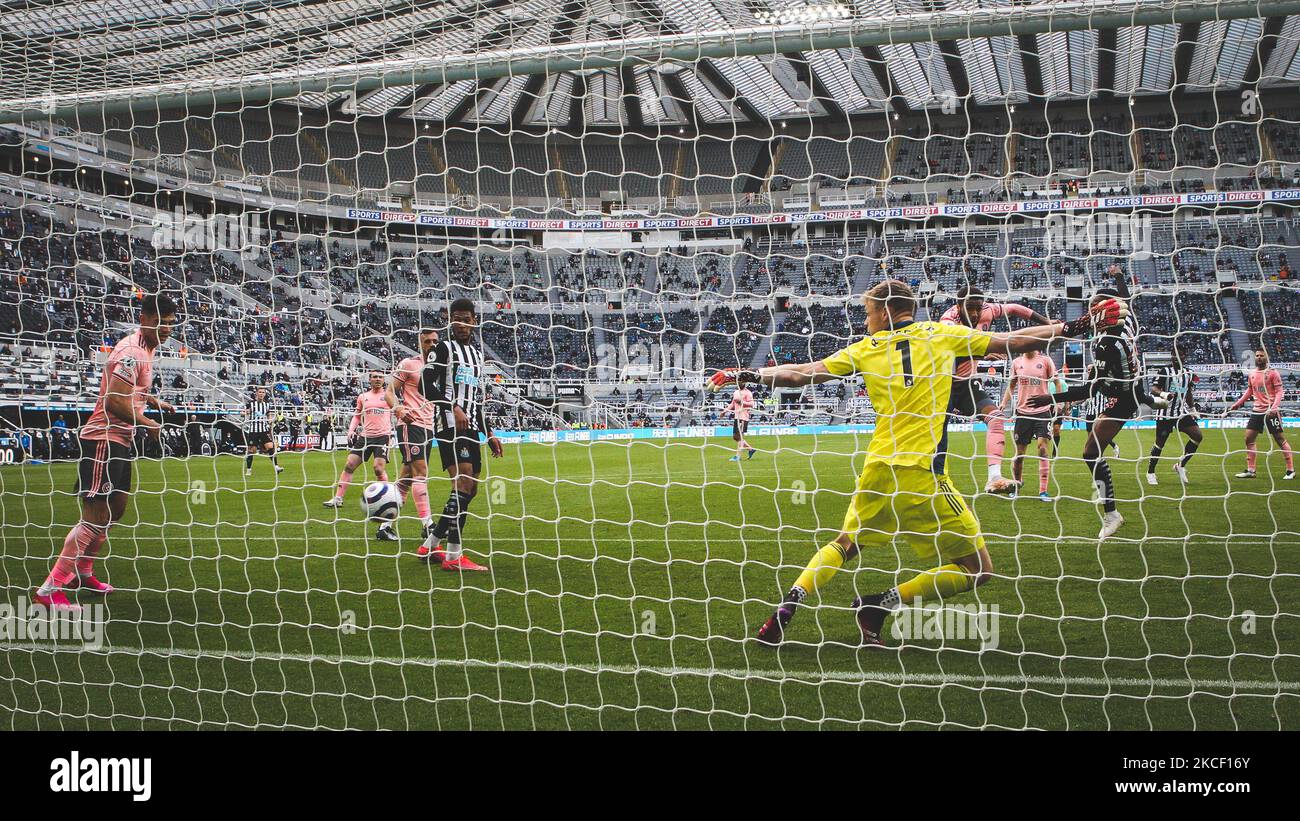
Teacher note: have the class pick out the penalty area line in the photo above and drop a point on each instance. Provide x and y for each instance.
(812, 677)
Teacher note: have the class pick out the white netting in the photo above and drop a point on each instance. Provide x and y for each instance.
(683, 195)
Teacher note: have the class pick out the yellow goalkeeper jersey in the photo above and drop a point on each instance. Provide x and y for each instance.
(908, 373)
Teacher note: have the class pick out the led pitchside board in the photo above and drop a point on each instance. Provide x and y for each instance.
(1036, 207)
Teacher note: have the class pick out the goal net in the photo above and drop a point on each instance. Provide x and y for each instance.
(634, 196)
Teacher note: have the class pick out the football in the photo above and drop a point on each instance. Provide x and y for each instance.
(381, 501)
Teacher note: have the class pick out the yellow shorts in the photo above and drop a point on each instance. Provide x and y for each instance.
(915, 504)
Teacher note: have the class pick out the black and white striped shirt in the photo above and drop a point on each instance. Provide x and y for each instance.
(1131, 330)
(1115, 356)
(1178, 382)
(1112, 377)
(1114, 372)
(453, 377)
(257, 417)
(1091, 407)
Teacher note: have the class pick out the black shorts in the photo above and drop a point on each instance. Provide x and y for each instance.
(456, 448)
(259, 440)
(104, 469)
(414, 442)
(1263, 421)
(1029, 428)
(739, 427)
(368, 446)
(1164, 427)
(1117, 407)
(967, 398)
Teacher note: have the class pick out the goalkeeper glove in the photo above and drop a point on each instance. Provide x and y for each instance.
(1105, 314)
(729, 376)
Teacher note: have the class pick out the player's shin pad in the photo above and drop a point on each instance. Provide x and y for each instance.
(448, 526)
(995, 439)
(824, 564)
(1103, 481)
(938, 583)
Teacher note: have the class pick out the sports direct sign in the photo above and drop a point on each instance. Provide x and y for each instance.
(551, 437)
(919, 212)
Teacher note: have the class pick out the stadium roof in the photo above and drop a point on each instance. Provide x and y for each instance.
(59, 46)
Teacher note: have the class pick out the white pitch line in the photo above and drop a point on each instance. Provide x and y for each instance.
(486, 546)
(836, 676)
(181, 486)
(791, 542)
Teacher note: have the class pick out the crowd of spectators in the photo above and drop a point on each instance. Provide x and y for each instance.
(239, 312)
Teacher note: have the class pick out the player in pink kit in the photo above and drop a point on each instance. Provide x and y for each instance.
(414, 432)
(375, 419)
(742, 403)
(104, 473)
(968, 398)
(1032, 375)
(1265, 386)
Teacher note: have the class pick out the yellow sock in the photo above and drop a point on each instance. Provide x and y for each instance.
(937, 583)
(823, 565)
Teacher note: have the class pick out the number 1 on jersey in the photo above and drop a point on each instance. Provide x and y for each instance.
(905, 350)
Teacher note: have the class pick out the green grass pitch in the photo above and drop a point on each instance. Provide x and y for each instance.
(627, 580)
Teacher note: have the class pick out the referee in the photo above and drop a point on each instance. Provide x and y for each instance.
(257, 431)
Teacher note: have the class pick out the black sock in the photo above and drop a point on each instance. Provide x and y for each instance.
(464, 514)
(248, 462)
(1189, 449)
(447, 519)
(1101, 473)
(1155, 457)
(449, 524)
(274, 460)
(790, 603)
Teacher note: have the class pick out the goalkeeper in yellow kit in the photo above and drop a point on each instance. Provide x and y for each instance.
(904, 488)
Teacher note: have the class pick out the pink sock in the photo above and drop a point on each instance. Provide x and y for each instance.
(1250, 457)
(77, 542)
(345, 479)
(403, 489)
(86, 564)
(1044, 471)
(995, 441)
(421, 492)
(1286, 452)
